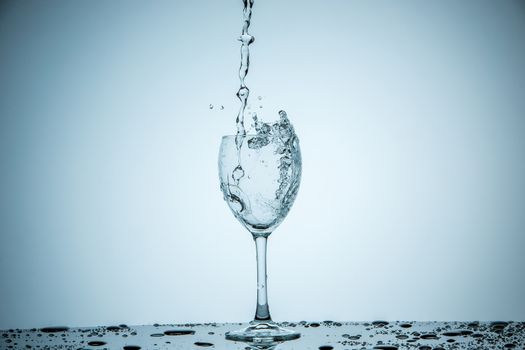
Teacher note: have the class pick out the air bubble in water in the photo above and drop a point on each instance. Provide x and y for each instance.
(237, 173)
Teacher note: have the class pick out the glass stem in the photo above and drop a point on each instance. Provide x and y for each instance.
(262, 312)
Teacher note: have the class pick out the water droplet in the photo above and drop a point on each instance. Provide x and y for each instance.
(429, 336)
(174, 332)
(203, 344)
(96, 343)
(452, 334)
(54, 329)
(498, 326)
(378, 323)
(211, 106)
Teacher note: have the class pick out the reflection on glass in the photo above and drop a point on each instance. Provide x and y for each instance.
(260, 176)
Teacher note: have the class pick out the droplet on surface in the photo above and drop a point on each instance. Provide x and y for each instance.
(174, 332)
(203, 344)
(379, 323)
(96, 343)
(429, 336)
(54, 329)
(326, 347)
(452, 334)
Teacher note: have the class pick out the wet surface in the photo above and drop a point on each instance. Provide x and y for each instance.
(327, 335)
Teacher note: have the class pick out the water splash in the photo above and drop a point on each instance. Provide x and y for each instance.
(280, 135)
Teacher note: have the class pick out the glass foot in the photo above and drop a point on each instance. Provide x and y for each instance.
(262, 333)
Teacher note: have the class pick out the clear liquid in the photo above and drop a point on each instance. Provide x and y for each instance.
(243, 93)
(246, 40)
(260, 180)
(261, 212)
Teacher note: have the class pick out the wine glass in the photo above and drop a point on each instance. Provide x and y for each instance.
(260, 176)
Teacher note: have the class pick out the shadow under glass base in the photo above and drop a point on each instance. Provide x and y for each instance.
(262, 333)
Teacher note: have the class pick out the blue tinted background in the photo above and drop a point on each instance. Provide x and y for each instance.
(411, 116)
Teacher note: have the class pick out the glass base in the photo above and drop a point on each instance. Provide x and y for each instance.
(262, 333)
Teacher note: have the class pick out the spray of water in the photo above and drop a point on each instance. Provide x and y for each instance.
(279, 135)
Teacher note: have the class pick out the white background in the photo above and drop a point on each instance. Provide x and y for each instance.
(411, 117)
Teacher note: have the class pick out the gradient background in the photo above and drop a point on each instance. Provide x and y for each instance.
(411, 116)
